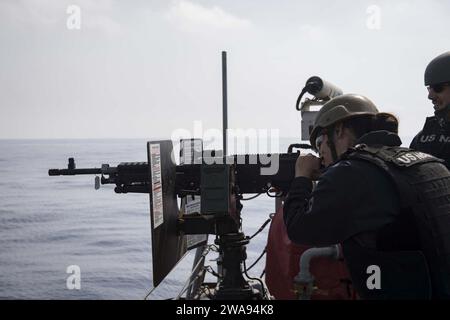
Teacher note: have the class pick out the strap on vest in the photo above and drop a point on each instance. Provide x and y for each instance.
(393, 161)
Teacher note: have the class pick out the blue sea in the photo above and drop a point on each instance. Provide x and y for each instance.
(50, 223)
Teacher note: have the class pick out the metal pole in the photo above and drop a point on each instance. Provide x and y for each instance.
(224, 102)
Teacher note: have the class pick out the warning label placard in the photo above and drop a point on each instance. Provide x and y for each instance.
(157, 191)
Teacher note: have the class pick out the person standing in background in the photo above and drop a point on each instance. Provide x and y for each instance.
(434, 138)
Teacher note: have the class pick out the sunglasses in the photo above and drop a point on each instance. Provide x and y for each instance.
(438, 88)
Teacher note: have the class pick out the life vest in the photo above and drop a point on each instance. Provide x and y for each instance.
(421, 267)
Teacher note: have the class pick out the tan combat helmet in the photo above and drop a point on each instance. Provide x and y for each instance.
(341, 108)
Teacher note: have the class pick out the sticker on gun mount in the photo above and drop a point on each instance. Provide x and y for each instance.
(157, 193)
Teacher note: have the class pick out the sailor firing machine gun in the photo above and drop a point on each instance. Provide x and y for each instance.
(211, 187)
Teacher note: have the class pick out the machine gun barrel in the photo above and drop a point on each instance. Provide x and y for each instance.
(73, 172)
(129, 177)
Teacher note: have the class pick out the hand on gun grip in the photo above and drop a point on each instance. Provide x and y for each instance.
(308, 166)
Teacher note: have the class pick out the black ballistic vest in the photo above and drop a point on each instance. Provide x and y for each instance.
(434, 139)
(413, 253)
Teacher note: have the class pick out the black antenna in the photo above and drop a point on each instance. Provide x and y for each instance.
(224, 102)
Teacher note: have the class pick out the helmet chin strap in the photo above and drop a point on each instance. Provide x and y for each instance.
(330, 143)
(443, 115)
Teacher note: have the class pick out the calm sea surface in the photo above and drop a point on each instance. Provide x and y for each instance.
(50, 223)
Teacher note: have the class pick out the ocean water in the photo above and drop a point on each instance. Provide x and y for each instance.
(50, 223)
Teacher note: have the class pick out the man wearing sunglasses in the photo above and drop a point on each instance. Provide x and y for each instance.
(435, 135)
(389, 207)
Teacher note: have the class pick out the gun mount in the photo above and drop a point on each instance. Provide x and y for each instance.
(220, 182)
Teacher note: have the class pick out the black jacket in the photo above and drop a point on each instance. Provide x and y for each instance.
(434, 139)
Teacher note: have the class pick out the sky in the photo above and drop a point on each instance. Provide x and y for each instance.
(144, 69)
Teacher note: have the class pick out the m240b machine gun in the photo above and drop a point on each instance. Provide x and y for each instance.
(220, 181)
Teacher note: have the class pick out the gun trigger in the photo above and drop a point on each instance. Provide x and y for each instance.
(97, 183)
